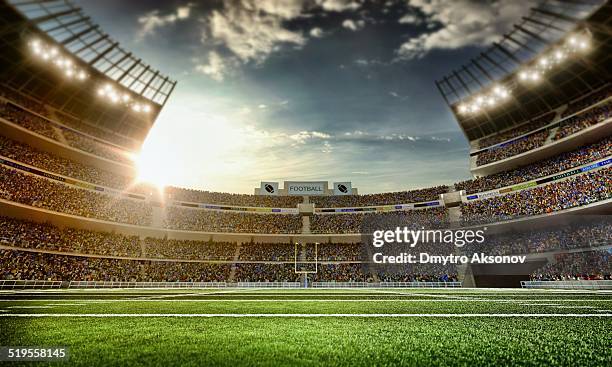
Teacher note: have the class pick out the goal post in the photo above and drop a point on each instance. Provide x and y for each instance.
(306, 259)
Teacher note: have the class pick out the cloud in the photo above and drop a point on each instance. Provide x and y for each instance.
(153, 20)
(215, 68)
(338, 5)
(316, 32)
(410, 18)
(353, 25)
(248, 31)
(303, 136)
(459, 23)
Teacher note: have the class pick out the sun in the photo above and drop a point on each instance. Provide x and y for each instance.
(150, 171)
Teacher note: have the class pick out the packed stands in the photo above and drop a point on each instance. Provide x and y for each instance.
(590, 265)
(163, 248)
(354, 222)
(513, 148)
(39, 236)
(249, 272)
(588, 100)
(220, 221)
(342, 273)
(387, 198)
(21, 265)
(267, 252)
(63, 118)
(574, 191)
(199, 196)
(564, 129)
(581, 234)
(43, 193)
(41, 126)
(583, 121)
(517, 131)
(562, 162)
(53, 163)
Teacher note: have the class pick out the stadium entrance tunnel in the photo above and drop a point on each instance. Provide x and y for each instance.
(504, 275)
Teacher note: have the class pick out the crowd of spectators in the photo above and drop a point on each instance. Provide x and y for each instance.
(260, 272)
(22, 118)
(68, 120)
(520, 130)
(588, 100)
(586, 119)
(53, 163)
(42, 126)
(44, 193)
(163, 248)
(342, 273)
(387, 198)
(563, 129)
(559, 163)
(21, 265)
(512, 148)
(223, 198)
(22, 100)
(589, 232)
(359, 222)
(41, 236)
(588, 265)
(89, 145)
(267, 252)
(80, 125)
(574, 191)
(225, 221)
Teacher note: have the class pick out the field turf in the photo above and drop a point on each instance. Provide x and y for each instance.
(350, 327)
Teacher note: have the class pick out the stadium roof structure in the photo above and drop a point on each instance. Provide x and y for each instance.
(64, 27)
(545, 27)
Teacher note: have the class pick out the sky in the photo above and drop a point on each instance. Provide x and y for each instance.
(332, 90)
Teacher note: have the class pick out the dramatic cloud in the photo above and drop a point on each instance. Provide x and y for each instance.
(353, 25)
(316, 32)
(338, 5)
(459, 23)
(215, 68)
(153, 20)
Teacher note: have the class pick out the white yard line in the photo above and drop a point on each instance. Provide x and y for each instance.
(314, 315)
(521, 301)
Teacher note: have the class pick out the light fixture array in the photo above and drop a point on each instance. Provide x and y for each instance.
(574, 44)
(68, 68)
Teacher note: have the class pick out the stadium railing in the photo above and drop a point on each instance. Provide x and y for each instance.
(106, 284)
(29, 284)
(567, 284)
(386, 284)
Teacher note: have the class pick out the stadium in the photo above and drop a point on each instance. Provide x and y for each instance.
(512, 266)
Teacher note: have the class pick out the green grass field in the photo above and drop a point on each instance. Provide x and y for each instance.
(347, 327)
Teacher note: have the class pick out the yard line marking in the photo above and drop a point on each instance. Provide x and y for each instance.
(318, 315)
(28, 307)
(573, 306)
(532, 302)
